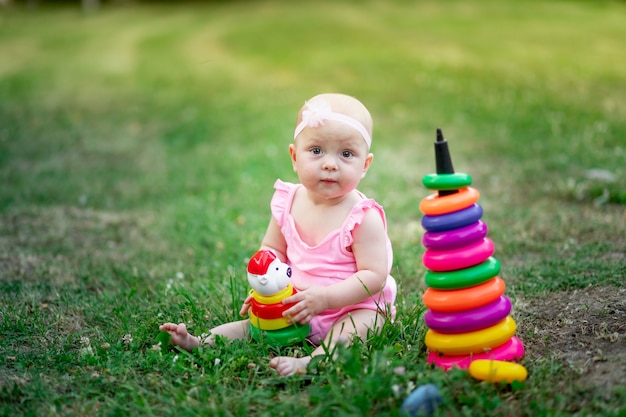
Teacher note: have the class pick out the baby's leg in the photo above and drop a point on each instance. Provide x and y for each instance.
(235, 330)
(181, 337)
(357, 322)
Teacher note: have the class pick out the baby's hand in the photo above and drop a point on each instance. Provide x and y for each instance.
(308, 303)
(245, 306)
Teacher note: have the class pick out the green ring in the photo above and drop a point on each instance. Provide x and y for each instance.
(284, 337)
(463, 278)
(446, 181)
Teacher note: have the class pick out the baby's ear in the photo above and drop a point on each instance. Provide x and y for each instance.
(292, 154)
(368, 162)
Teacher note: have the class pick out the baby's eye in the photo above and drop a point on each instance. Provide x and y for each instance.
(346, 154)
(316, 151)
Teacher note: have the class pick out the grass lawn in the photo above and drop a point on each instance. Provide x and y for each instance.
(139, 145)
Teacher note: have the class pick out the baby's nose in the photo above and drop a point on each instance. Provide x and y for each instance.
(329, 163)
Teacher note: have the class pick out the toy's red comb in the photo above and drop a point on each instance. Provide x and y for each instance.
(260, 262)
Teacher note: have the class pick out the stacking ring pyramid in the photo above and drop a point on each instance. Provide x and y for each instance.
(467, 314)
(270, 282)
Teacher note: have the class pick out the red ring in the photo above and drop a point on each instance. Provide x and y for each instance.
(268, 311)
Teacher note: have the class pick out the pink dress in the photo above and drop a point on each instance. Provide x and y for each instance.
(330, 261)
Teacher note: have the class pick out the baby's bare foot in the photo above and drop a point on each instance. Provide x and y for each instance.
(286, 365)
(180, 336)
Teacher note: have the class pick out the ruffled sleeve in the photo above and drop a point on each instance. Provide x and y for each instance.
(356, 217)
(281, 200)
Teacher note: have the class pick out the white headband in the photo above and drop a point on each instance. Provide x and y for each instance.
(317, 112)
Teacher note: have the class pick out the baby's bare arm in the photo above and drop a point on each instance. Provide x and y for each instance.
(274, 240)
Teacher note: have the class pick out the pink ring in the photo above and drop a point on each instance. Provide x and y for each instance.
(469, 320)
(511, 350)
(451, 260)
(456, 238)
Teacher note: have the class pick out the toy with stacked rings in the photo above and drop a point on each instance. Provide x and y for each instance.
(270, 282)
(468, 314)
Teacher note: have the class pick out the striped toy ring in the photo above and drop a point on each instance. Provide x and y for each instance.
(268, 311)
(455, 238)
(454, 301)
(511, 350)
(468, 277)
(454, 220)
(268, 324)
(469, 320)
(273, 299)
(284, 337)
(461, 258)
(435, 205)
(471, 342)
(447, 181)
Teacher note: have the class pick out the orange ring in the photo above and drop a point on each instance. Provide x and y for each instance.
(434, 205)
(453, 301)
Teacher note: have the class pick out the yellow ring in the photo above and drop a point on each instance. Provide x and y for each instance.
(496, 371)
(471, 342)
(434, 205)
(273, 299)
(268, 324)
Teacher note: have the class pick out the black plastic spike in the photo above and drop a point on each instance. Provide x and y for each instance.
(443, 160)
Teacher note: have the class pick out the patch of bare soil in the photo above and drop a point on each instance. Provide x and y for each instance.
(585, 328)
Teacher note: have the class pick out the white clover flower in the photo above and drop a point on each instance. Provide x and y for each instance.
(217, 361)
(127, 339)
(180, 275)
(175, 358)
(399, 370)
(86, 351)
(410, 386)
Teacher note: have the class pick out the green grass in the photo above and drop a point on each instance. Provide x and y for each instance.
(139, 145)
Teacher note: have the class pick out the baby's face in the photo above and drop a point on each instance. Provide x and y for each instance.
(330, 159)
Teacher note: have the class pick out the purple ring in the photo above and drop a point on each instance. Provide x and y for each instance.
(456, 238)
(453, 220)
(469, 320)
(460, 258)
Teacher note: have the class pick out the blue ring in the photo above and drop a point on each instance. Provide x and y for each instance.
(453, 220)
